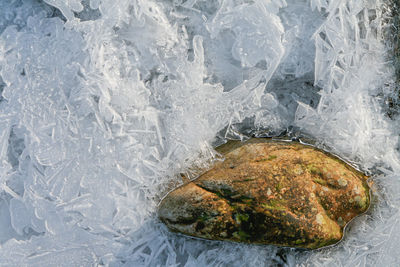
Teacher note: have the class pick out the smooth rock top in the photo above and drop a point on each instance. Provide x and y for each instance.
(269, 192)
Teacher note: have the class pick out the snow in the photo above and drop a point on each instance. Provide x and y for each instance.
(104, 103)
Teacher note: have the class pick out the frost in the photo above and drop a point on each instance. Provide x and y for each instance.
(103, 103)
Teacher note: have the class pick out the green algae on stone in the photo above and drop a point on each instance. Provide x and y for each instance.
(281, 193)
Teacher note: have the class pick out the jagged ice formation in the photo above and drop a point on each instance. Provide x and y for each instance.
(104, 102)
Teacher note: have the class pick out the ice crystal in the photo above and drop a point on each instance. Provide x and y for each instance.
(103, 103)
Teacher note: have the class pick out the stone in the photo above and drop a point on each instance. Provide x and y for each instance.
(269, 192)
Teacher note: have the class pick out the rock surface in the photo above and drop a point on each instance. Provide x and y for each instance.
(269, 192)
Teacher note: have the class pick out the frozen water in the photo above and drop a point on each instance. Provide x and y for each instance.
(103, 103)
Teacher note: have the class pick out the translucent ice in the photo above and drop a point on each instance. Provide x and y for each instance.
(103, 103)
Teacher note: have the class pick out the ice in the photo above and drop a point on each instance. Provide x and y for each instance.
(104, 103)
(67, 7)
(256, 30)
(19, 216)
(6, 230)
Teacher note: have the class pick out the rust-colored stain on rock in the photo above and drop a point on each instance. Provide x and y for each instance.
(269, 192)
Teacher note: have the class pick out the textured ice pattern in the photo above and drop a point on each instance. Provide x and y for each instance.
(104, 102)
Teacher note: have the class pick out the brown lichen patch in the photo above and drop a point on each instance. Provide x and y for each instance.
(278, 193)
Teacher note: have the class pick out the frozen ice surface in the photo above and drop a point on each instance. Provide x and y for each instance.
(103, 103)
